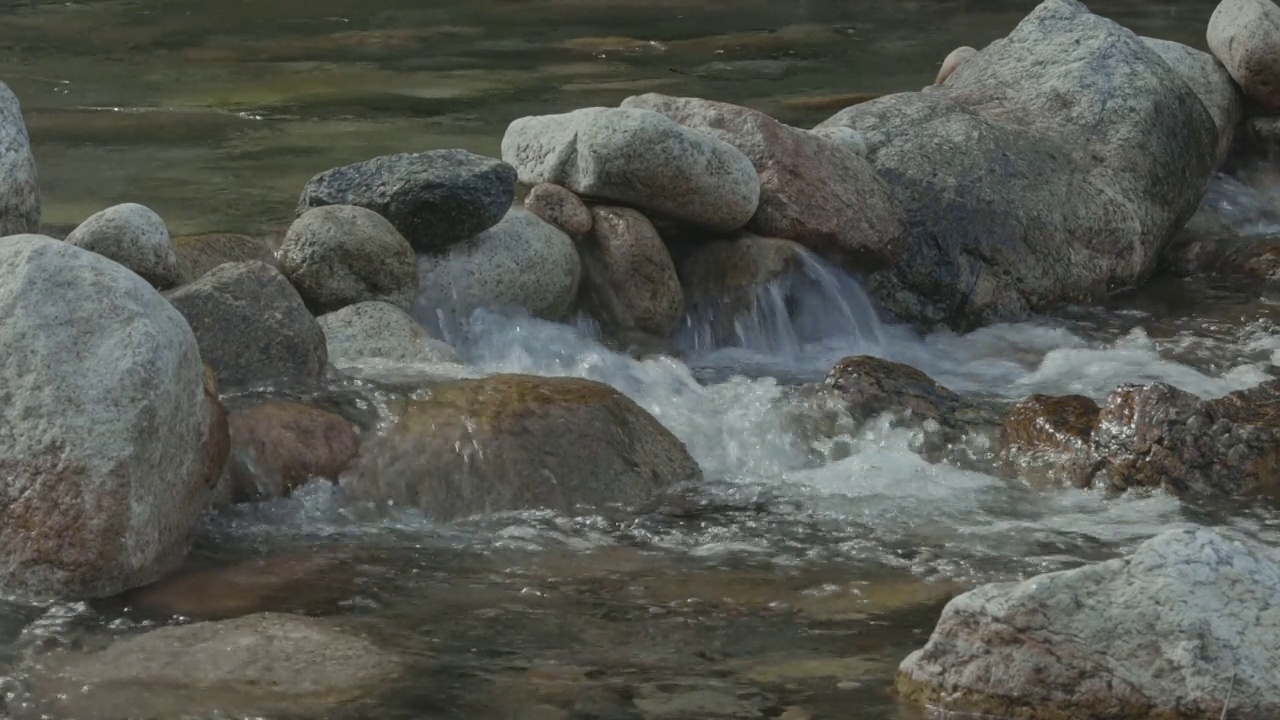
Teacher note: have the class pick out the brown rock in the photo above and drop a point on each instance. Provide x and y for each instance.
(278, 446)
(198, 254)
(630, 272)
(871, 386)
(730, 271)
(218, 445)
(1245, 36)
(953, 63)
(818, 192)
(1052, 431)
(560, 207)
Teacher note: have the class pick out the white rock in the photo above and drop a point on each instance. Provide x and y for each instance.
(134, 236)
(103, 428)
(640, 158)
(19, 189)
(379, 330)
(1211, 82)
(522, 262)
(953, 61)
(1245, 36)
(1156, 634)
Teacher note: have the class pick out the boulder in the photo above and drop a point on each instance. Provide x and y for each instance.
(266, 664)
(1245, 36)
(871, 386)
(640, 158)
(1051, 167)
(340, 255)
(560, 207)
(19, 186)
(279, 446)
(1169, 632)
(380, 331)
(522, 262)
(953, 61)
(1211, 83)
(198, 254)
(1053, 433)
(110, 438)
(516, 442)
(252, 325)
(435, 199)
(727, 273)
(816, 191)
(134, 236)
(630, 273)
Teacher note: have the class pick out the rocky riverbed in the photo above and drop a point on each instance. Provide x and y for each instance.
(962, 399)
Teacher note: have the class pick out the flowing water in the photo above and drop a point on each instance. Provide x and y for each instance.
(801, 572)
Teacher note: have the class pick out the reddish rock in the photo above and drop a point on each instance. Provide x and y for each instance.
(560, 207)
(1245, 37)
(630, 272)
(278, 446)
(1053, 432)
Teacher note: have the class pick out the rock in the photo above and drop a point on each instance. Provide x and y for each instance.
(516, 442)
(820, 193)
(378, 330)
(1211, 83)
(871, 386)
(198, 254)
(134, 236)
(435, 199)
(522, 262)
(560, 207)
(630, 272)
(108, 434)
(1245, 36)
(278, 446)
(1053, 433)
(639, 158)
(252, 325)
(953, 61)
(265, 664)
(1158, 634)
(1052, 168)
(727, 273)
(340, 255)
(19, 184)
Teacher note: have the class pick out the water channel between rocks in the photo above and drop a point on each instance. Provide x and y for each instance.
(799, 575)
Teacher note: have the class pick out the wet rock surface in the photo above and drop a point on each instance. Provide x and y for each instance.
(278, 446)
(1054, 433)
(630, 273)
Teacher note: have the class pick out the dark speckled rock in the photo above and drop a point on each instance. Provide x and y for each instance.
(435, 199)
(19, 191)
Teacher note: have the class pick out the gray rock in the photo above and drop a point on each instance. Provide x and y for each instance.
(435, 199)
(378, 330)
(1245, 36)
(19, 186)
(560, 207)
(1211, 83)
(516, 442)
(252, 325)
(340, 255)
(1051, 167)
(1158, 634)
(107, 429)
(522, 262)
(266, 664)
(630, 272)
(198, 254)
(818, 192)
(134, 236)
(639, 158)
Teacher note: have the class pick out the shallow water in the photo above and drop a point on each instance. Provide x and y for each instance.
(801, 572)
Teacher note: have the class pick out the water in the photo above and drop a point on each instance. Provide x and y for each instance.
(804, 568)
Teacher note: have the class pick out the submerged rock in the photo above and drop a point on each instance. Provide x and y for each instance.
(630, 272)
(818, 192)
(110, 439)
(266, 664)
(378, 330)
(516, 442)
(134, 236)
(637, 157)
(1051, 167)
(278, 446)
(522, 262)
(1211, 83)
(19, 186)
(1163, 633)
(198, 254)
(1245, 36)
(252, 325)
(435, 199)
(340, 255)
(560, 207)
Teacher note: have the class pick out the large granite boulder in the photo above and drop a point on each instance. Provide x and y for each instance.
(110, 437)
(630, 273)
(1169, 632)
(252, 325)
(19, 186)
(640, 158)
(517, 442)
(134, 236)
(818, 192)
(1051, 167)
(1245, 36)
(1211, 83)
(435, 199)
